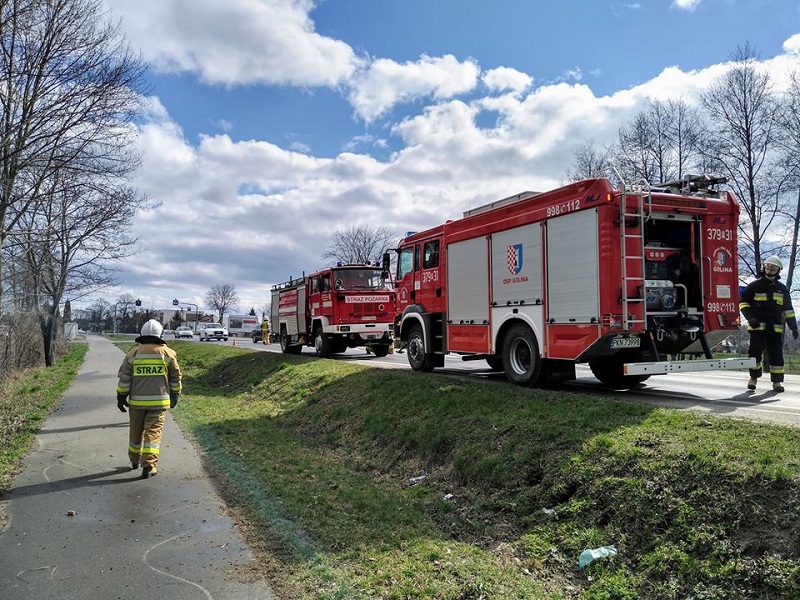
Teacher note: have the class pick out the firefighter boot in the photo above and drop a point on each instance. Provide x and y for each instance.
(148, 472)
(751, 385)
(778, 387)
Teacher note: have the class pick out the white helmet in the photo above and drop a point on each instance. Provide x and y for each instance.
(774, 261)
(152, 327)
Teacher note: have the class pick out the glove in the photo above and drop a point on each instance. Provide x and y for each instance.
(122, 402)
(753, 323)
(173, 399)
(794, 334)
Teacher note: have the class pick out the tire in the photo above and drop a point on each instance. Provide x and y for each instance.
(521, 360)
(495, 362)
(415, 350)
(380, 350)
(288, 348)
(609, 371)
(323, 345)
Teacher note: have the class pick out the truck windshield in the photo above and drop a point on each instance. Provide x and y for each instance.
(358, 279)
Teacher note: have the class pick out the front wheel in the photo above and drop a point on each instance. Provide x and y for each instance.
(415, 350)
(521, 360)
(322, 344)
(495, 362)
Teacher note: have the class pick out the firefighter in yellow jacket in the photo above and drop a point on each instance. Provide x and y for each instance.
(149, 384)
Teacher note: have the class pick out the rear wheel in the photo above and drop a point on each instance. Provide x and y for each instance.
(521, 360)
(287, 347)
(610, 371)
(380, 350)
(322, 345)
(415, 350)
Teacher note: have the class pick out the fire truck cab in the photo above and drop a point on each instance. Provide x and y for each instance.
(334, 309)
(628, 279)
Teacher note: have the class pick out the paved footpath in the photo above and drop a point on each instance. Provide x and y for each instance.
(82, 526)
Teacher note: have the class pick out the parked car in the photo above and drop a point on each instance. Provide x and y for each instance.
(256, 334)
(183, 331)
(212, 331)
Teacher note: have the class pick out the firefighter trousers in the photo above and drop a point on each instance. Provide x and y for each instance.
(772, 343)
(146, 427)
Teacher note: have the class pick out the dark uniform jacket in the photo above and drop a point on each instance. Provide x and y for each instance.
(766, 305)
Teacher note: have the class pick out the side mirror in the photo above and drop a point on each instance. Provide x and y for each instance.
(387, 263)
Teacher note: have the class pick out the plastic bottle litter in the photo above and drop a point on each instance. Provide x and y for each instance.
(592, 554)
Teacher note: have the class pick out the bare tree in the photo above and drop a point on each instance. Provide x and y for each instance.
(222, 298)
(69, 90)
(790, 143)
(360, 244)
(742, 111)
(660, 144)
(588, 161)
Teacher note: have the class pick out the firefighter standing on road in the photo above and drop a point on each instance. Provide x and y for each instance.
(149, 384)
(766, 305)
(265, 331)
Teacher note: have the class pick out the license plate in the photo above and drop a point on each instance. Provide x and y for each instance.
(628, 342)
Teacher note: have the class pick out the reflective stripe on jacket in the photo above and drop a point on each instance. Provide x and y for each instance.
(149, 372)
(768, 304)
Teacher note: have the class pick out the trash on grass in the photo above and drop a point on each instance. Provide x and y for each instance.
(592, 554)
(419, 479)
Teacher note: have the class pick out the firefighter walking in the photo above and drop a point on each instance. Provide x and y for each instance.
(149, 384)
(767, 306)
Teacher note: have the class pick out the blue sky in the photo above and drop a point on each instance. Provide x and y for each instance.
(273, 123)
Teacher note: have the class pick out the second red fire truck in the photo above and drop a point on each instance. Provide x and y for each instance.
(334, 309)
(628, 279)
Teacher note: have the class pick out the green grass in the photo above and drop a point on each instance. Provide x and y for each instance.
(26, 400)
(319, 454)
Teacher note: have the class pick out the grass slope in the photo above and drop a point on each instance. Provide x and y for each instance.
(369, 483)
(25, 401)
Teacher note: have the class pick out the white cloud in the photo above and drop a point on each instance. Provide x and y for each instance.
(236, 41)
(687, 4)
(253, 213)
(792, 45)
(505, 78)
(386, 82)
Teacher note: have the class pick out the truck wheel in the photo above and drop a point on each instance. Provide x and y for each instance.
(380, 350)
(521, 360)
(287, 347)
(322, 345)
(609, 371)
(415, 350)
(495, 362)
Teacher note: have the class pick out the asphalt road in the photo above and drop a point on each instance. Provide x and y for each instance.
(713, 392)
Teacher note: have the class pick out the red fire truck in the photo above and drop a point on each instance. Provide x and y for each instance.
(632, 280)
(334, 309)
